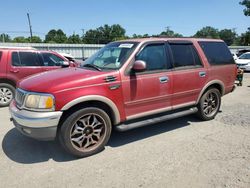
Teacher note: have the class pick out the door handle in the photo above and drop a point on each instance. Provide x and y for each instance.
(202, 74)
(164, 79)
(14, 70)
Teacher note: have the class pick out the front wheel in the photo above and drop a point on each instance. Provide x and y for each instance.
(209, 104)
(7, 93)
(85, 132)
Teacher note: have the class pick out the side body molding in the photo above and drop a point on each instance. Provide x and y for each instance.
(105, 100)
(208, 85)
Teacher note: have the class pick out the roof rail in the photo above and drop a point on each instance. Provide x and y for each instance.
(17, 47)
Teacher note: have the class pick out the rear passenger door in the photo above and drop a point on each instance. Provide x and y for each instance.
(23, 64)
(189, 74)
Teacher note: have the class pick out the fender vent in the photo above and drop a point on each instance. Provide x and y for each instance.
(110, 79)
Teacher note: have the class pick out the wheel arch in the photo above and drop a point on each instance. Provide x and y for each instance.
(212, 84)
(8, 81)
(94, 101)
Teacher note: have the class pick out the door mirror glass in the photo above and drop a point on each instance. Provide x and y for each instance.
(139, 66)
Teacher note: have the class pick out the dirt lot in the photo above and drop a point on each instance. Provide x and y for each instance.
(180, 153)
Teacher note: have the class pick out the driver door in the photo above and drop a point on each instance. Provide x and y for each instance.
(149, 92)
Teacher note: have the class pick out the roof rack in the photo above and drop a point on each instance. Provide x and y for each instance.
(17, 47)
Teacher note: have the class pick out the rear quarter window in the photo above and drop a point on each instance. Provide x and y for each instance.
(217, 53)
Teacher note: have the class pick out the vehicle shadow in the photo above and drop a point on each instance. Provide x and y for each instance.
(22, 149)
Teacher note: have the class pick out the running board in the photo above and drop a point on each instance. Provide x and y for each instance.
(142, 123)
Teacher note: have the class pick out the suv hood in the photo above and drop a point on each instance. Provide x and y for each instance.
(61, 79)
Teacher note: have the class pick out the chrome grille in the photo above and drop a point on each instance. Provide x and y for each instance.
(20, 96)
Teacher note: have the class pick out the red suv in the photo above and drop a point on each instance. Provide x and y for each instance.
(125, 85)
(17, 63)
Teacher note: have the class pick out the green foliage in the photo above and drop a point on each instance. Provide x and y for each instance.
(246, 3)
(228, 35)
(170, 33)
(104, 34)
(140, 36)
(245, 38)
(35, 39)
(21, 39)
(55, 36)
(74, 39)
(5, 38)
(207, 32)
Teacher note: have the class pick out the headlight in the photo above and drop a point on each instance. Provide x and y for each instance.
(42, 102)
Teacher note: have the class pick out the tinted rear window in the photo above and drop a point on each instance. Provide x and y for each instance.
(217, 53)
(29, 59)
(15, 59)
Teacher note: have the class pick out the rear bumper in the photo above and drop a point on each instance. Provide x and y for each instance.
(38, 125)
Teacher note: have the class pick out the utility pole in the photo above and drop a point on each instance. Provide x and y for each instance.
(28, 15)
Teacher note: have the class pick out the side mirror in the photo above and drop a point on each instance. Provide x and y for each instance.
(65, 64)
(139, 66)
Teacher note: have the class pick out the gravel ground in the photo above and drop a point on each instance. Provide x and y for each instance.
(180, 153)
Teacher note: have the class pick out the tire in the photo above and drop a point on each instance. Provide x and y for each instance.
(7, 93)
(209, 104)
(85, 132)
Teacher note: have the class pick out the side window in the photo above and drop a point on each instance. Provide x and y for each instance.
(1, 55)
(15, 59)
(155, 57)
(29, 59)
(51, 60)
(184, 55)
(217, 53)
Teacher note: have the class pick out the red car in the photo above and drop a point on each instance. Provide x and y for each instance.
(18, 63)
(127, 84)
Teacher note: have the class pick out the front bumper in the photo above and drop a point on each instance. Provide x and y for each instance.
(38, 125)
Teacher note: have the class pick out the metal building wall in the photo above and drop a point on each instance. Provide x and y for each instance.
(79, 51)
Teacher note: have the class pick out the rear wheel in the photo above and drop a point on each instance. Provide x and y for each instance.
(209, 104)
(7, 93)
(85, 132)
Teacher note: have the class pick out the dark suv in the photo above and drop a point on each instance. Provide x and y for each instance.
(17, 63)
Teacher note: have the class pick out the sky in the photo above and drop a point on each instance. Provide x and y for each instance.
(136, 16)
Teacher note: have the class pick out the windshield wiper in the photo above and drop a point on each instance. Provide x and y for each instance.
(92, 66)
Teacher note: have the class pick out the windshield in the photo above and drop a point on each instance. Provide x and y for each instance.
(245, 56)
(112, 56)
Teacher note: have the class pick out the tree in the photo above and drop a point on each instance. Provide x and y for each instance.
(5, 38)
(104, 34)
(170, 33)
(207, 32)
(246, 3)
(74, 39)
(228, 35)
(140, 36)
(35, 39)
(56, 36)
(245, 38)
(21, 39)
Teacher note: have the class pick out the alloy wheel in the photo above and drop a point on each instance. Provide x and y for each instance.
(6, 95)
(88, 132)
(210, 104)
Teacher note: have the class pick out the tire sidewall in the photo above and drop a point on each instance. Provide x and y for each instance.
(64, 132)
(11, 88)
